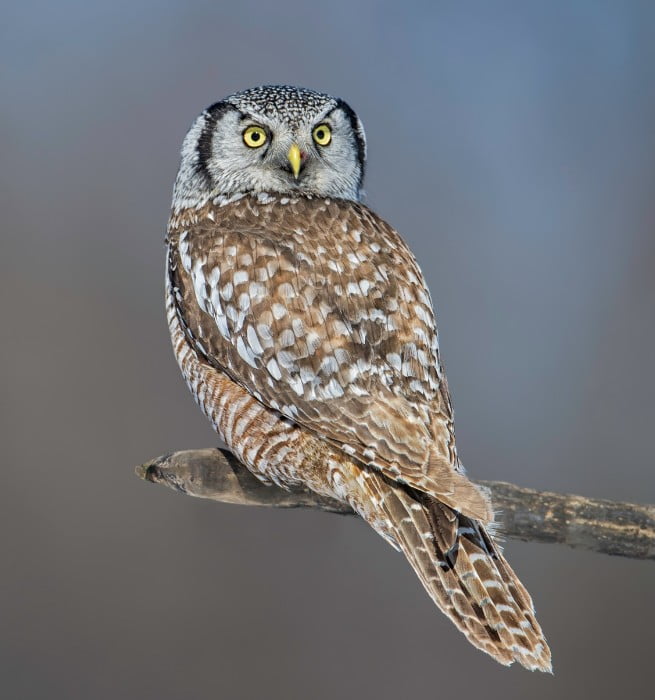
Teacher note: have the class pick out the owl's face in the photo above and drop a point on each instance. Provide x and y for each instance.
(275, 139)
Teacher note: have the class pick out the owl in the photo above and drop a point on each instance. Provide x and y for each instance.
(304, 328)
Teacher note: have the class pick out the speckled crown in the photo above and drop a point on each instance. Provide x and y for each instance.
(292, 104)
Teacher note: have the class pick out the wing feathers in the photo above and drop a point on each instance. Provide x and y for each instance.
(320, 312)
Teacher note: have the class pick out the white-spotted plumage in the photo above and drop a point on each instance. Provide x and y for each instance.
(304, 328)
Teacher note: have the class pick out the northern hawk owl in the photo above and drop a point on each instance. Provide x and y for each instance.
(305, 331)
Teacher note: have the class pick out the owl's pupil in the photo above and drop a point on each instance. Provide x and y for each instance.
(255, 136)
(320, 134)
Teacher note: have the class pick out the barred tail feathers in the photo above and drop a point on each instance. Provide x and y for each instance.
(462, 570)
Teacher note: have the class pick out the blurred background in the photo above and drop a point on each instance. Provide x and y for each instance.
(512, 145)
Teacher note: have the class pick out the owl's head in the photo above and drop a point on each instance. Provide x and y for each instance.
(276, 139)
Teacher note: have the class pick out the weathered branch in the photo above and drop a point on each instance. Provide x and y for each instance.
(623, 529)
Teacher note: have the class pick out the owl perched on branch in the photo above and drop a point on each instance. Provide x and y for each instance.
(305, 331)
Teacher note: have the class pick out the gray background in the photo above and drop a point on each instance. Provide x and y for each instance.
(513, 145)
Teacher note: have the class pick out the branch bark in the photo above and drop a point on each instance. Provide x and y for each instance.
(623, 529)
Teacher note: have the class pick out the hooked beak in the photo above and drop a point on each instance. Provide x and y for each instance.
(294, 156)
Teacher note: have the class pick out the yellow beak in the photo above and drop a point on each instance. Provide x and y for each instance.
(294, 159)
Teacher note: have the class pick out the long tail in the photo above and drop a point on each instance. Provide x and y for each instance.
(461, 568)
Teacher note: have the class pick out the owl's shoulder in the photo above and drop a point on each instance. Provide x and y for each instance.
(301, 221)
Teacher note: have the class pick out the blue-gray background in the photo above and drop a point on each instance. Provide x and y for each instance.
(513, 145)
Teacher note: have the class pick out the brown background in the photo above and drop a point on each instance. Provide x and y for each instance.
(513, 145)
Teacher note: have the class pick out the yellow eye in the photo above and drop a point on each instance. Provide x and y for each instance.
(254, 136)
(322, 134)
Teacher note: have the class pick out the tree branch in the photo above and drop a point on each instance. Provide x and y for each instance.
(622, 529)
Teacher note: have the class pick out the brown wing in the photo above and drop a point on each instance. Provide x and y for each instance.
(320, 311)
